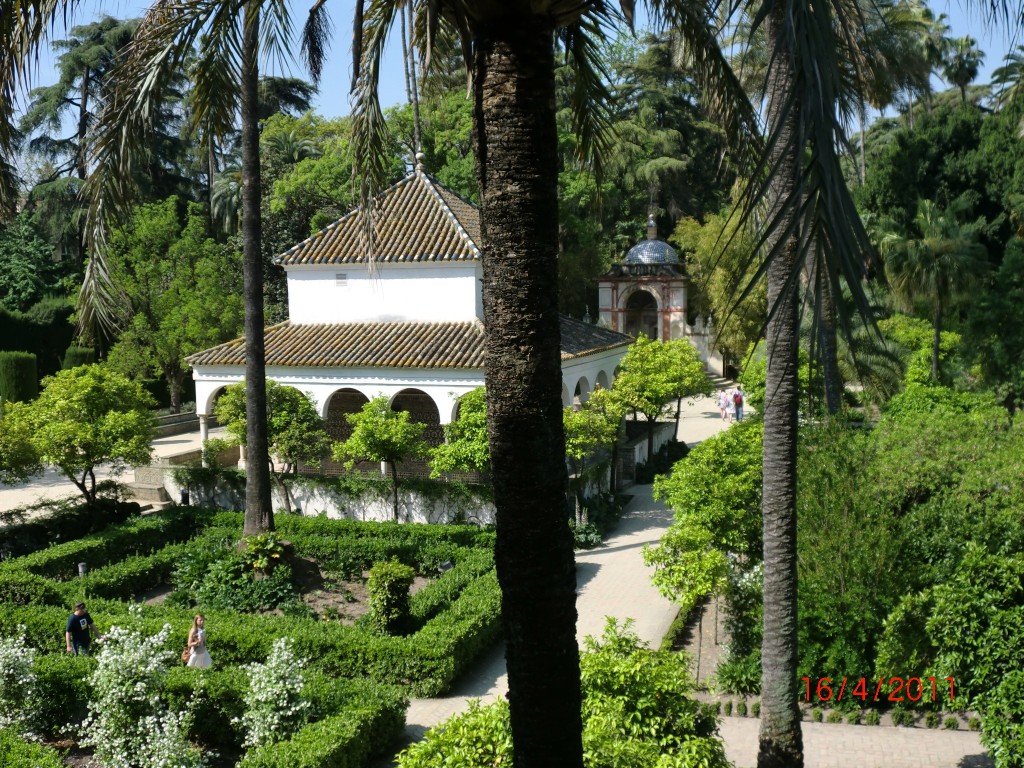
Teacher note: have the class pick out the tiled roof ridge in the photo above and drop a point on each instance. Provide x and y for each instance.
(339, 221)
(433, 184)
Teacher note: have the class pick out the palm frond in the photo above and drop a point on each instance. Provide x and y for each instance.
(590, 100)
(316, 36)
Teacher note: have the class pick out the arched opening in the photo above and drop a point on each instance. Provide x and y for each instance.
(602, 381)
(341, 403)
(642, 314)
(421, 408)
(211, 402)
(582, 392)
(566, 402)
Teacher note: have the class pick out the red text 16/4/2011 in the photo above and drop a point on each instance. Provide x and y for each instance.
(893, 689)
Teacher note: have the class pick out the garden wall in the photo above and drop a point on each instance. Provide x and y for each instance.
(419, 501)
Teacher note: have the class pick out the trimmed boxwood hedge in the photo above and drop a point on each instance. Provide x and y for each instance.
(112, 544)
(15, 752)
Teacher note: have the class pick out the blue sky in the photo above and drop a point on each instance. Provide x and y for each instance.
(333, 98)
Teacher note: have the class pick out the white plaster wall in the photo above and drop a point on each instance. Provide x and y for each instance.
(395, 292)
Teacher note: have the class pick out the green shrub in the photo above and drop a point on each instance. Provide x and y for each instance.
(873, 717)
(932, 720)
(22, 588)
(741, 708)
(63, 691)
(903, 717)
(231, 584)
(479, 736)
(371, 718)
(388, 586)
(835, 716)
(216, 698)
(15, 752)
(19, 380)
(75, 356)
(974, 724)
(816, 715)
(1002, 729)
(727, 708)
(585, 535)
(951, 723)
(755, 709)
(853, 717)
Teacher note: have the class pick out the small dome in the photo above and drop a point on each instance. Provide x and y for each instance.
(652, 252)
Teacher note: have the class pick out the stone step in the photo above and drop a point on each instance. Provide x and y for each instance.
(149, 492)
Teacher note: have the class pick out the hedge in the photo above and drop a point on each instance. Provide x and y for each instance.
(40, 525)
(19, 379)
(63, 690)
(373, 718)
(111, 545)
(126, 579)
(75, 356)
(15, 752)
(44, 330)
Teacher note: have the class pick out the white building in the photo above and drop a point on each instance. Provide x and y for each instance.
(410, 328)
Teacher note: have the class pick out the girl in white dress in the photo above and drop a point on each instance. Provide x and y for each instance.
(200, 657)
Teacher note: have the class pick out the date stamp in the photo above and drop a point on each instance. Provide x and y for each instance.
(893, 689)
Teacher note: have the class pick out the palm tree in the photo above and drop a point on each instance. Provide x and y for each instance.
(230, 39)
(1009, 79)
(961, 64)
(509, 50)
(941, 261)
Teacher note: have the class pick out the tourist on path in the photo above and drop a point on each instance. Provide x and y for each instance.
(78, 631)
(199, 658)
(737, 401)
(723, 403)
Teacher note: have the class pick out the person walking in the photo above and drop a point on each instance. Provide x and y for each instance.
(199, 658)
(723, 403)
(78, 631)
(737, 401)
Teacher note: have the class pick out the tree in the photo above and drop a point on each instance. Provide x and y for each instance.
(84, 417)
(943, 261)
(465, 440)
(715, 497)
(961, 64)
(27, 269)
(587, 430)
(656, 373)
(382, 434)
(718, 259)
(181, 293)
(295, 432)
(230, 38)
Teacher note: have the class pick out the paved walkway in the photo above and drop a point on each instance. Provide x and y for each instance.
(613, 581)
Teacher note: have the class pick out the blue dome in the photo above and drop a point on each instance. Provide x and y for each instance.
(652, 252)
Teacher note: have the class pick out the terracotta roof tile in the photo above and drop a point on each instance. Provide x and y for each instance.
(394, 345)
(417, 219)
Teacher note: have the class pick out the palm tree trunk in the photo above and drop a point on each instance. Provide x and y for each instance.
(259, 514)
(936, 339)
(825, 308)
(517, 167)
(780, 740)
(863, 141)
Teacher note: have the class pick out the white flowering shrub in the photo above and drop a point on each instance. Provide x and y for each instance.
(128, 725)
(17, 683)
(274, 706)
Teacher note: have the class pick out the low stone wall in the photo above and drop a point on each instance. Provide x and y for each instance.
(634, 451)
(176, 424)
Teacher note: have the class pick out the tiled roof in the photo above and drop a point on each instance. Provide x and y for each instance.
(394, 345)
(416, 219)
(579, 338)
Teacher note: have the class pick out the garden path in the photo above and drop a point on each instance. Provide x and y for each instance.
(613, 581)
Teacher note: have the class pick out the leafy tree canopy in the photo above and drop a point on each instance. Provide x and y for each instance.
(83, 417)
(182, 292)
(465, 447)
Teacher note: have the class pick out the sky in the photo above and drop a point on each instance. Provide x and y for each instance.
(333, 98)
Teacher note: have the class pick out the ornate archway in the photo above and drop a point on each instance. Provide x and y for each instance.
(642, 314)
(421, 408)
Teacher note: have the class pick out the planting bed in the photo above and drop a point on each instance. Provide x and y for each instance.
(358, 678)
